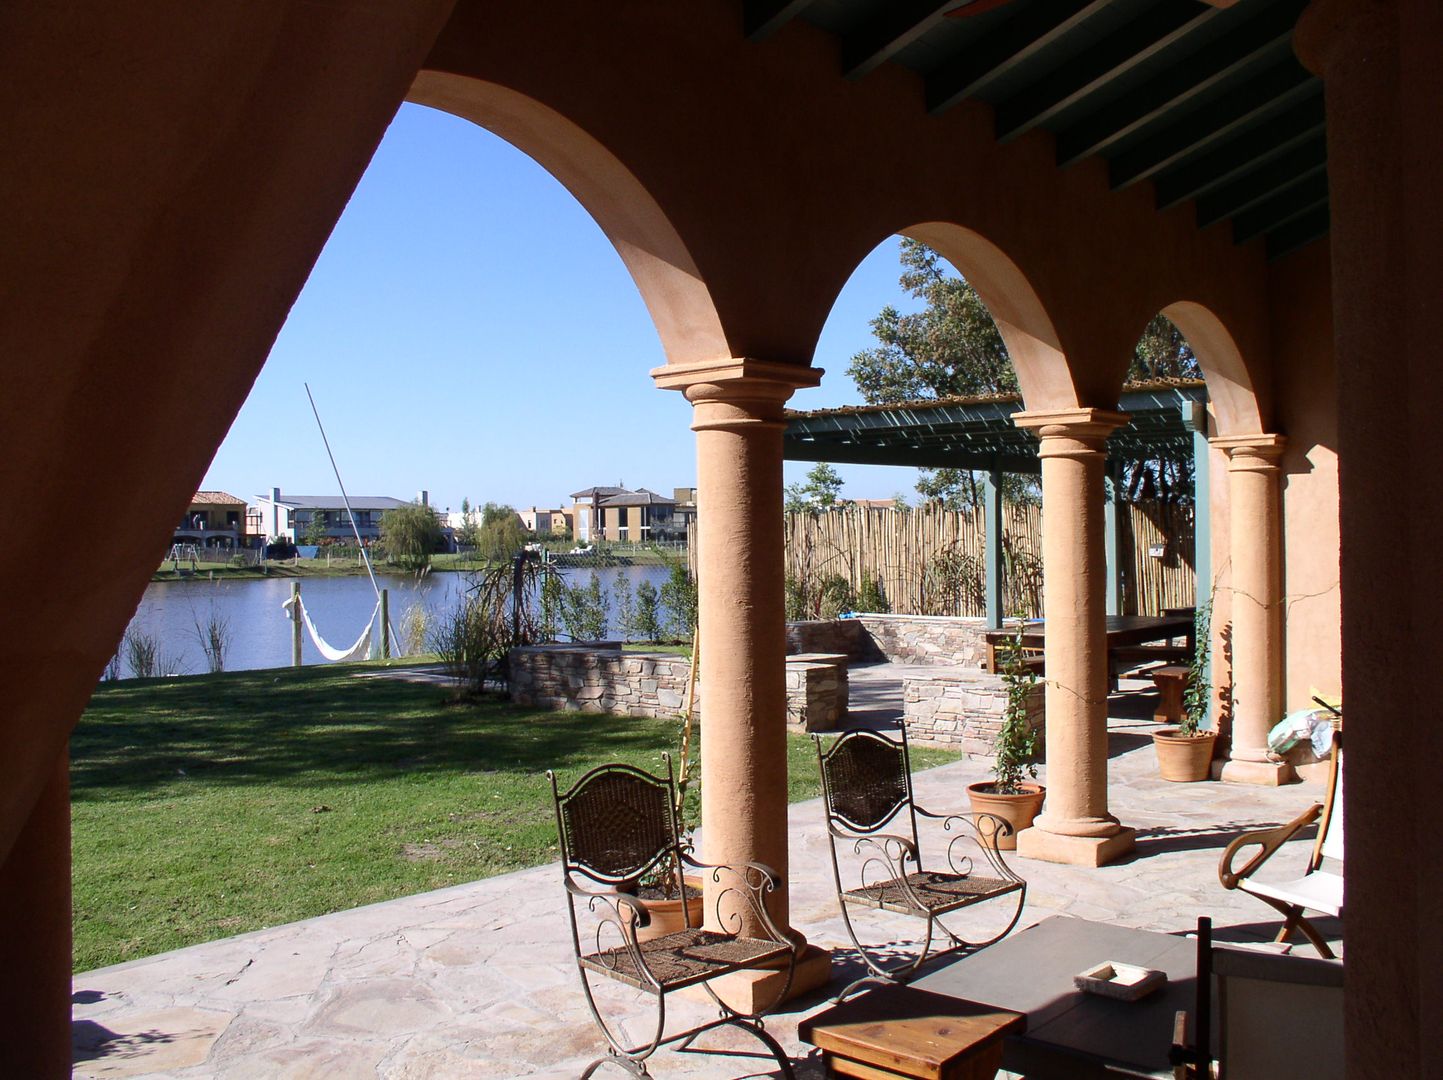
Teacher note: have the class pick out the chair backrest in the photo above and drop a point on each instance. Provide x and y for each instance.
(1278, 1015)
(1330, 827)
(617, 823)
(867, 780)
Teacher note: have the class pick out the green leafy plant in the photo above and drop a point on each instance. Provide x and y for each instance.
(1197, 691)
(870, 596)
(648, 612)
(1016, 744)
(411, 534)
(584, 611)
(679, 597)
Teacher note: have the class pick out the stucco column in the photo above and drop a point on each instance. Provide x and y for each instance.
(1075, 826)
(1257, 606)
(737, 415)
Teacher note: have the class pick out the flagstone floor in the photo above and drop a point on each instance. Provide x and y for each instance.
(478, 980)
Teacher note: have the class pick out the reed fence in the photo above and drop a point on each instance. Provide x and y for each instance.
(930, 561)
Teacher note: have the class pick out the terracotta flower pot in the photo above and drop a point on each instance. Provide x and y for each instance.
(1183, 758)
(1017, 810)
(668, 915)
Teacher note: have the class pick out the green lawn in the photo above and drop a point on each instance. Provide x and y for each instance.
(212, 805)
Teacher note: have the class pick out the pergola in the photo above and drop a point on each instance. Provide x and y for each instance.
(1263, 172)
(978, 434)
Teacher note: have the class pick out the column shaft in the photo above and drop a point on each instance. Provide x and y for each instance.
(1075, 825)
(1257, 613)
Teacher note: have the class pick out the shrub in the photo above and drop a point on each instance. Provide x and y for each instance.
(648, 612)
(413, 631)
(834, 596)
(214, 636)
(469, 643)
(624, 602)
(679, 596)
(584, 611)
(870, 596)
(145, 657)
(411, 534)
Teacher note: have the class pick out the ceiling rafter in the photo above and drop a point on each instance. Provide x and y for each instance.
(1300, 232)
(1274, 89)
(898, 25)
(1258, 184)
(763, 18)
(1260, 42)
(1301, 123)
(1162, 26)
(1015, 40)
(1293, 201)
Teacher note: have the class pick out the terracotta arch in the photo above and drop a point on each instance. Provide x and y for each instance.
(1032, 341)
(671, 286)
(1230, 385)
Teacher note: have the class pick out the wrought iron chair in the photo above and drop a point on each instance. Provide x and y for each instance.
(618, 826)
(867, 784)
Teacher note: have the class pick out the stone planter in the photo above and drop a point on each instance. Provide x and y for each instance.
(1182, 758)
(1017, 810)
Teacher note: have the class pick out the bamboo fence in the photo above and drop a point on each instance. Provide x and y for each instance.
(930, 561)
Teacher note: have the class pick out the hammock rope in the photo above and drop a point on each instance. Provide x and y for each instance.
(359, 651)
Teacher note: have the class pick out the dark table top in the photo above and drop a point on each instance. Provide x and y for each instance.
(1121, 630)
(1070, 1033)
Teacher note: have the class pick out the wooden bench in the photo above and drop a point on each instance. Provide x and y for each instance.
(1170, 680)
(899, 1032)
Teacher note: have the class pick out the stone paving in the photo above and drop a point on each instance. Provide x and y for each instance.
(478, 980)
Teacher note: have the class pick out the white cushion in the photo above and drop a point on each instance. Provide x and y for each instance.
(1318, 891)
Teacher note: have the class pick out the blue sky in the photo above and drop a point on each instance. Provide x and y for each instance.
(469, 330)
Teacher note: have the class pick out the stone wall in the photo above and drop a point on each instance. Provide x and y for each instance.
(962, 709)
(600, 678)
(926, 639)
(847, 636)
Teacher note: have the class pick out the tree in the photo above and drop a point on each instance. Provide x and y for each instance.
(819, 492)
(952, 348)
(501, 534)
(411, 534)
(470, 532)
(316, 528)
(648, 612)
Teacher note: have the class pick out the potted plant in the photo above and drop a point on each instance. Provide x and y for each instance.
(1185, 752)
(1007, 795)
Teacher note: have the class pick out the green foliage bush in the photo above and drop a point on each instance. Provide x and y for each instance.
(648, 612)
(870, 597)
(584, 611)
(679, 597)
(411, 534)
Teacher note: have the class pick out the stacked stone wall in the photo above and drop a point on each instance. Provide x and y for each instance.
(962, 709)
(926, 639)
(603, 679)
(847, 636)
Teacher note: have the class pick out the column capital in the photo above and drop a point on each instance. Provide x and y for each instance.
(1251, 453)
(736, 391)
(1071, 432)
(1329, 27)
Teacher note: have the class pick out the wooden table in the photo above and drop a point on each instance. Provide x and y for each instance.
(1071, 1035)
(1122, 631)
(899, 1031)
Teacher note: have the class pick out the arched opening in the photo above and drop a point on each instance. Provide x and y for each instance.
(1230, 385)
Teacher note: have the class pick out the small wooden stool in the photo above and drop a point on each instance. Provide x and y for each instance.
(899, 1032)
(1171, 680)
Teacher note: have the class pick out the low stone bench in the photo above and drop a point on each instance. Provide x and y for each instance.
(961, 708)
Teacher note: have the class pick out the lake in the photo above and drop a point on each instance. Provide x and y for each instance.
(260, 631)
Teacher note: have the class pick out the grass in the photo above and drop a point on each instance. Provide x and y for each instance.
(213, 805)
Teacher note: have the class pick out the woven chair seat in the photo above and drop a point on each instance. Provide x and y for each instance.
(686, 957)
(937, 892)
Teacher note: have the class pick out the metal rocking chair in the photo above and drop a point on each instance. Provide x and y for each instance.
(867, 783)
(617, 826)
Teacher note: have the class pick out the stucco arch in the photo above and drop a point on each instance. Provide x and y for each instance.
(665, 273)
(1230, 385)
(1032, 341)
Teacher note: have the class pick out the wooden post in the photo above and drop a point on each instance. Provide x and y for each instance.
(385, 624)
(295, 624)
(992, 550)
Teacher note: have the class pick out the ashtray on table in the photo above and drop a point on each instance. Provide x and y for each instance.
(1126, 982)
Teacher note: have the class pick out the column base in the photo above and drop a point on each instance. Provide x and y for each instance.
(747, 991)
(1035, 843)
(1262, 773)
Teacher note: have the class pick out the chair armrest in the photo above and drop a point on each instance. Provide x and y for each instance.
(1268, 839)
(614, 899)
(751, 881)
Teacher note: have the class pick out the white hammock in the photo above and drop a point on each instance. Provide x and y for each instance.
(359, 651)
